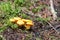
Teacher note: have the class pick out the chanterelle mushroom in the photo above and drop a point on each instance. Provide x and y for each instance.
(17, 18)
(27, 26)
(29, 23)
(12, 20)
(20, 22)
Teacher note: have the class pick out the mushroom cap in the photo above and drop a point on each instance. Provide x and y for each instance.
(27, 26)
(25, 20)
(12, 20)
(30, 23)
(20, 22)
(17, 18)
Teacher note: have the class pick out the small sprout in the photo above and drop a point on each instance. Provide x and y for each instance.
(20, 22)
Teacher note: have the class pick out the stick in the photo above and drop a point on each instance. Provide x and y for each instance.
(52, 27)
(52, 9)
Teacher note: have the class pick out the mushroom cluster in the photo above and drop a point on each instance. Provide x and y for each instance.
(19, 21)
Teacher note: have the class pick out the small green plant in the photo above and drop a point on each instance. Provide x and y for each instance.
(14, 26)
(34, 10)
(37, 9)
(7, 24)
(43, 20)
(23, 3)
(24, 16)
(6, 7)
(3, 28)
(19, 2)
(7, 13)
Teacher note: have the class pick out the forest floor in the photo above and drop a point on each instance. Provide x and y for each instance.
(44, 28)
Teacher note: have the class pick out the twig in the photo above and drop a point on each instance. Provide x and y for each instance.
(57, 26)
(52, 27)
(52, 10)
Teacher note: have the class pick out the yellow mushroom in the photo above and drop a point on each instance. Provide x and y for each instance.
(27, 26)
(17, 18)
(12, 20)
(30, 23)
(20, 22)
(25, 20)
